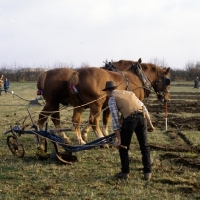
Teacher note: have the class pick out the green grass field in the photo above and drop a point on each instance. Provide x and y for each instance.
(92, 177)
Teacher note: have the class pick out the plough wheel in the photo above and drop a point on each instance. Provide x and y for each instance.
(15, 147)
(64, 157)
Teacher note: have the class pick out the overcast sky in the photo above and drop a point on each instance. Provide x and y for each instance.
(44, 32)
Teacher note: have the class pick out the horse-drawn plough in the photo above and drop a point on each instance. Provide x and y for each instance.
(17, 149)
(81, 97)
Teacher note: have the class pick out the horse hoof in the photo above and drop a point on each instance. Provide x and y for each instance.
(81, 142)
(67, 140)
(85, 139)
(105, 146)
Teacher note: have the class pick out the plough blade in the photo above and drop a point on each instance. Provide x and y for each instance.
(66, 157)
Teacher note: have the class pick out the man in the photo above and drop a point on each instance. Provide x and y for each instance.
(1, 84)
(196, 82)
(135, 120)
(6, 85)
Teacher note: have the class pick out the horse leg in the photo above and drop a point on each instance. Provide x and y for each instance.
(84, 131)
(76, 119)
(53, 110)
(106, 118)
(55, 117)
(43, 116)
(94, 120)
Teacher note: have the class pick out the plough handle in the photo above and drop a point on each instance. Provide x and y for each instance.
(122, 146)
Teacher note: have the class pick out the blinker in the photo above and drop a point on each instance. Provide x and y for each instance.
(167, 81)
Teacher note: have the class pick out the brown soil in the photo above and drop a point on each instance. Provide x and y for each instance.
(180, 104)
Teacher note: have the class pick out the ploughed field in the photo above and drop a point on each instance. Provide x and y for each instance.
(182, 111)
(183, 126)
(174, 154)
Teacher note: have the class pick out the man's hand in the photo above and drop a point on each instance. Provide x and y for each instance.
(150, 129)
(117, 144)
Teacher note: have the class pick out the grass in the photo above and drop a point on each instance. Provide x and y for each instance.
(92, 177)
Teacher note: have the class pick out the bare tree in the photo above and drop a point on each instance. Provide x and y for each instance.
(161, 63)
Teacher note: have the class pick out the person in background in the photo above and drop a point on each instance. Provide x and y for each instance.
(136, 118)
(196, 83)
(6, 85)
(1, 86)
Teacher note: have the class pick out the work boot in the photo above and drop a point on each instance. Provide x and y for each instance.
(122, 175)
(147, 176)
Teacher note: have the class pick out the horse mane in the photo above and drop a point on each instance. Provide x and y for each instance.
(124, 65)
(152, 67)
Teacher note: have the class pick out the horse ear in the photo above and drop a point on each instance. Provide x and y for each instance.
(140, 60)
(167, 70)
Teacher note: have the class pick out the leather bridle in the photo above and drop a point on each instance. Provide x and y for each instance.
(166, 81)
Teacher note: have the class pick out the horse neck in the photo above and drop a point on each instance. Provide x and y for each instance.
(122, 64)
(152, 75)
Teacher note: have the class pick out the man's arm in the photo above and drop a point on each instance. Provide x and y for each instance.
(118, 136)
(149, 123)
(115, 120)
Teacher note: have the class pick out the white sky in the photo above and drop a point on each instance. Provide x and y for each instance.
(45, 32)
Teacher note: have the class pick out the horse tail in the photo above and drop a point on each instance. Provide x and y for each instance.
(41, 80)
(73, 81)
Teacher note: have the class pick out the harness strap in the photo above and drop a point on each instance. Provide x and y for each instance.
(145, 81)
(109, 66)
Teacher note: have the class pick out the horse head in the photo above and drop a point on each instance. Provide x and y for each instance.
(109, 66)
(162, 86)
(155, 77)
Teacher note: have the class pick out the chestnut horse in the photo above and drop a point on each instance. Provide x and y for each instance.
(89, 82)
(53, 86)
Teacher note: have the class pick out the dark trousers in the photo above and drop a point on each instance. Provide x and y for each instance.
(138, 124)
(6, 90)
